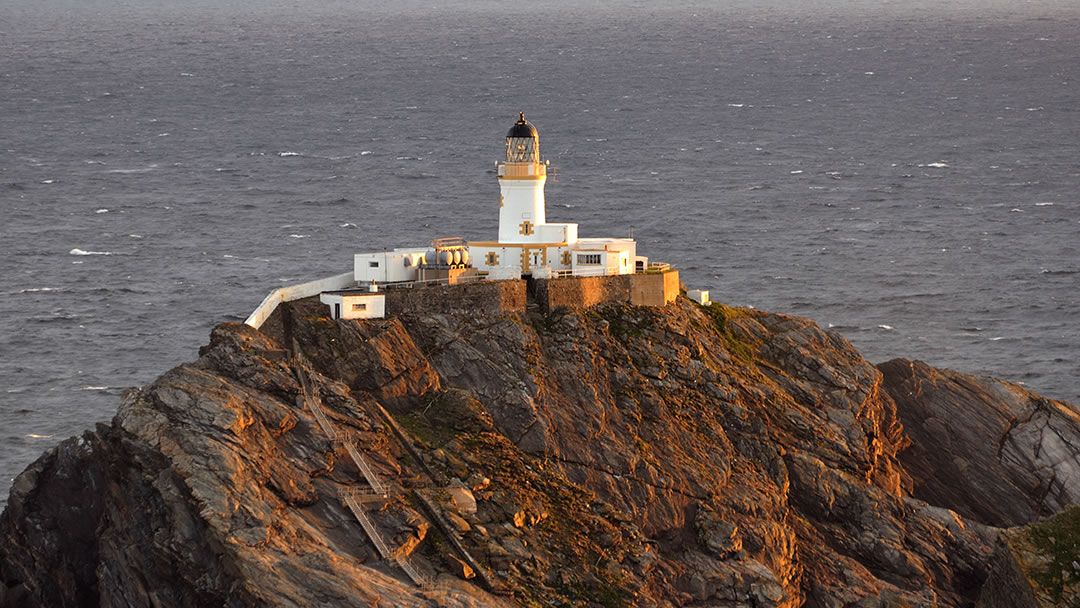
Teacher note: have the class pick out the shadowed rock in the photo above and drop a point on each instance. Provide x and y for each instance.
(988, 449)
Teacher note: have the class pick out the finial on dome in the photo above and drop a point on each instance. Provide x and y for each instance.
(522, 128)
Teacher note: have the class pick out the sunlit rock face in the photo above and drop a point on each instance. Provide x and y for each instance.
(617, 456)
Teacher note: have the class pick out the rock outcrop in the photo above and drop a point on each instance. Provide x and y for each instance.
(674, 456)
(987, 449)
(1037, 565)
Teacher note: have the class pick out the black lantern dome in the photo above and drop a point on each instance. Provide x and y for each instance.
(522, 143)
(522, 128)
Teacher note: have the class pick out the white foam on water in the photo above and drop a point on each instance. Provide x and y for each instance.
(78, 251)
(886, 327)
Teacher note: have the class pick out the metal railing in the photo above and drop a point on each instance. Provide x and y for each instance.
(362, 464)
(433, 282)
(404, 562)
(354, 498)
(313, 405)
(421, 580)
(368, 526)
(361, 494)
(599, 271)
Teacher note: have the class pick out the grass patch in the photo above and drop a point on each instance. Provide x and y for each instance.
(1058, 540)
(721, 315)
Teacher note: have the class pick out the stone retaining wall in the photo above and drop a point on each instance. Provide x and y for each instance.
(483, 297)
(654, 289)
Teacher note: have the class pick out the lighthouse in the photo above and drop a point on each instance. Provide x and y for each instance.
(527, 245)
(521, 185)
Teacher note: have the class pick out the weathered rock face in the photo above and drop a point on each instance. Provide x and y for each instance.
(1037, 565)
(676, 456)
(989, 450)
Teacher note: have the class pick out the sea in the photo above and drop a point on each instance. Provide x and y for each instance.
(903, 172)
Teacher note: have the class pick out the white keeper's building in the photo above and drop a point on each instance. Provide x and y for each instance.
(527, 244)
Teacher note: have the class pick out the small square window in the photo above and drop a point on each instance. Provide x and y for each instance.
(373, 264)
(359, 307)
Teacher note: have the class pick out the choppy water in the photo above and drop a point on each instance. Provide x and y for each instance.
(905, 174)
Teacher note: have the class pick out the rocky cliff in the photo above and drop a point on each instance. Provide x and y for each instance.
(616, 456)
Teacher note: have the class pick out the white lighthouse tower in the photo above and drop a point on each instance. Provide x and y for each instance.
(528, 245)
(521, 183)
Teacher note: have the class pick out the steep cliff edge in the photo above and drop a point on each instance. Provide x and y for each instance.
(675, 456)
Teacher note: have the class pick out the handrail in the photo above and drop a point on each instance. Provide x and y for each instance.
(312, 404)
(354, 497)
(424, 582)
(368, 526)
(365, 468)
(430, 282)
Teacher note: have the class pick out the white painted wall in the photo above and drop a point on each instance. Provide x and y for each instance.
(522, 201)
(359, 305)
(556, 233)
(296, 292)
(387, 266)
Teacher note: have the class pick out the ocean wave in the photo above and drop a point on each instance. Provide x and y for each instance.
(78, 251)
(289, 154)
(128, 171)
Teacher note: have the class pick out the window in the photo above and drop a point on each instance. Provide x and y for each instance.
(492, 258)
(359, 307)
(373, 264)
(588, 259)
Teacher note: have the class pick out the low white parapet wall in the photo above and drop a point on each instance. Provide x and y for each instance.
(296, 292)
